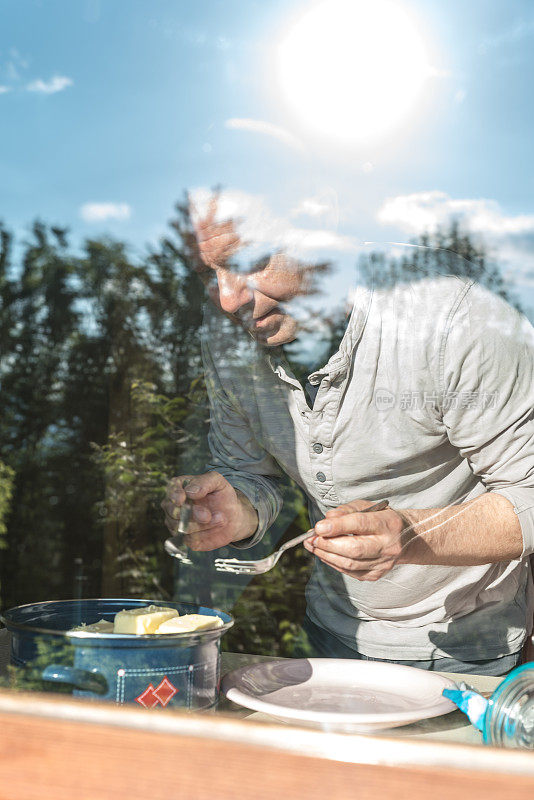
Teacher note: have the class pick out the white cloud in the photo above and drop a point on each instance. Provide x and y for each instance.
(56, 84)
(511, 235)
(265, 128)
(311, 207)
(4, 89)
(12, 71)
(426, 210)
(323, 208)
(18, 58)
(15, 64)
(264, 231)
(303, 239)
(99, 212)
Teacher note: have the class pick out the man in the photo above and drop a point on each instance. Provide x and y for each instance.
(440, 579)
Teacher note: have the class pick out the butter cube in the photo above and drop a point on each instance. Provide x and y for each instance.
(142, 620)
(102, 626)
(188, 623)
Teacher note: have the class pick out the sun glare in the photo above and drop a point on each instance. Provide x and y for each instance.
(353, 70)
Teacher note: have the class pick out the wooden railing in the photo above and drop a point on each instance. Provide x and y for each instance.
(68, 749)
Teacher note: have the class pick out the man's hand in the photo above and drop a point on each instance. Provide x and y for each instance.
(484, 530)
(364, 546)
(220, 514)
(217, 241)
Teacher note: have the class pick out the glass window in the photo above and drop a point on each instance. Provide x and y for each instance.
(282, 254)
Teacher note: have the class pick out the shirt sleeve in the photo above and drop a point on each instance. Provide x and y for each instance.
(487, 366)
(236, 453)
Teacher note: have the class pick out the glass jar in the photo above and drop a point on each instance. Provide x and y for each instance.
(509, 717)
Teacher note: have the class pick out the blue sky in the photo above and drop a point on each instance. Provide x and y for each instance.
(110, 109)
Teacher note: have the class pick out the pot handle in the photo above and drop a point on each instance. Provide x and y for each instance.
(87, 681)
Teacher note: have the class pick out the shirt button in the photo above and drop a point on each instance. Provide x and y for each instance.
(317, 448)
(321, 477)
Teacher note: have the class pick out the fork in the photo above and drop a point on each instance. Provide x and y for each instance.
(261, 565)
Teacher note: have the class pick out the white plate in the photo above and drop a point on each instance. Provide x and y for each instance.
(339, 694)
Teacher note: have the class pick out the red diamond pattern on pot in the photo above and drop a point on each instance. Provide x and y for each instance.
(165, 691)
(148, 698)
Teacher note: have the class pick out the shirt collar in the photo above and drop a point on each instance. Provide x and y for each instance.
(338, 365)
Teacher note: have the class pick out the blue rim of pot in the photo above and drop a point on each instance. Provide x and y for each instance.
(211, 633)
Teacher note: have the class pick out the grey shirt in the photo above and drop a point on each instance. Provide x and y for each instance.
(428, 402)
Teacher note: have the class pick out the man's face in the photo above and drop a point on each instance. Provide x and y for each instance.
(258, 298)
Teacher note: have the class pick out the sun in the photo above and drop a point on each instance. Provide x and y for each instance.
(353, 70)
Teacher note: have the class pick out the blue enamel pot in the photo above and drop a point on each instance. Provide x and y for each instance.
(180, 670)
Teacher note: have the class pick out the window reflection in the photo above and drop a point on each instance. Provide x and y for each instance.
(124, 365)
(105, 401)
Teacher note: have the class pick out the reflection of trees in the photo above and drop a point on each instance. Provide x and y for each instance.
(269, 612)
(77, 333)
(27, 677)
(449, 251)
(446, 251)
(6, 490)
(103, 399)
